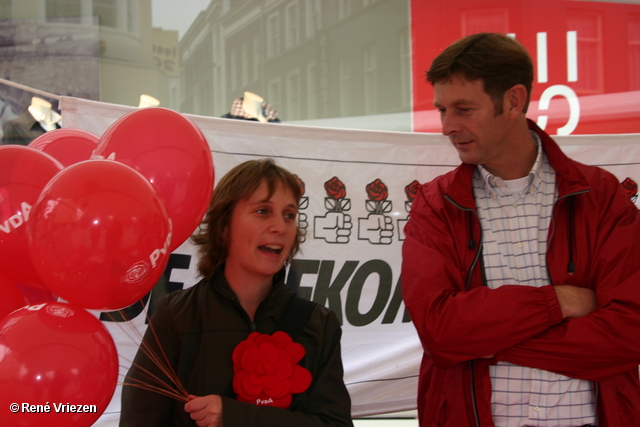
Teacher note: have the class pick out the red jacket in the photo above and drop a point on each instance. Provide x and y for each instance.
(593, 241)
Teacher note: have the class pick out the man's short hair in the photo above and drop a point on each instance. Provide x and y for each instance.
(500, 61)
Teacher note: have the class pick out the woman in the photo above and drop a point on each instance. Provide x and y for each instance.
(249, 234)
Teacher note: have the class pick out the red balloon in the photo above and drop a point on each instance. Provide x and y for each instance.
(99, 235)
(24, 172)
(53, 356)
(68, 146)
(37, 296)
(173, 154)
(11, 298)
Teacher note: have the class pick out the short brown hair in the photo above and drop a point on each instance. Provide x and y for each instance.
(500, 61)
(239, 183)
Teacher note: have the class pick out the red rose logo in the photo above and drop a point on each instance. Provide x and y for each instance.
(411, 190)
(335, 188)
(377, 191)
(266, 369)
(631, 187)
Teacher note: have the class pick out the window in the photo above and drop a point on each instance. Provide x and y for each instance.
(273, 36)
(6, 11)
(273, 93)
(404, 48)
(344, 9)
(292, 24)
(132, 16)
(256, 56)
(293, 95)
(107, 13)
(244, 62)
(312, 91)
(491, 20)
(345, 86)
(63, 9)
(634, 53)
(590, 73)
(370, 80)
(233, 68)
(312, 16)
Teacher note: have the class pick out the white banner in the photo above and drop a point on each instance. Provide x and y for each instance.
(351, 258)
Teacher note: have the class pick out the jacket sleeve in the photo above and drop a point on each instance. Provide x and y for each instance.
(607, 341)
(456, 325)
(326, 402)
(142, 408)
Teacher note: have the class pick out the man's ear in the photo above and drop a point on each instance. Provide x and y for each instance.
(515, 99)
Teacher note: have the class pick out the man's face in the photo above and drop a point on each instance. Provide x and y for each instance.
(469, 119)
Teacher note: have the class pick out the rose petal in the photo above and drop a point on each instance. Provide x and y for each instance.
(296, 351)
(269, 352)
(285, 402)
(237, 383)
(239, 350)
(300, 380)
(256, 379)
(249, 388)
(277, 390)
(282, 337)
(250, 359)
(284, 369)
(285, 356)
(270, 382)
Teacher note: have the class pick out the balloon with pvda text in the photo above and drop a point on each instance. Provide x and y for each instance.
(24, 172)
(58, 367)
(99, 235)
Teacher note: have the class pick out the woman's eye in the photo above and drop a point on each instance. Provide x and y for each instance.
(291, 215)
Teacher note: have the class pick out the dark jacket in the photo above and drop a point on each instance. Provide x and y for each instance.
(200, 327)
(22, 130)
(593, 241)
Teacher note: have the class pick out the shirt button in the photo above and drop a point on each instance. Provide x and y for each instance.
(520, 244)
(536, 408)
(515, 205)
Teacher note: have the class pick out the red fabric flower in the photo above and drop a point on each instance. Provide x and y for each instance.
(266, 369)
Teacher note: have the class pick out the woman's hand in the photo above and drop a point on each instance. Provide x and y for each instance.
(206, 411)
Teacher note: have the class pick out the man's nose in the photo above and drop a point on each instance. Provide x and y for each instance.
(449, 123)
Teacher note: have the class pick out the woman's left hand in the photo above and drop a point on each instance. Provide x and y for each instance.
(206, 411)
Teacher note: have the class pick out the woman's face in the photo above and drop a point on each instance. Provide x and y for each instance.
(261, 233)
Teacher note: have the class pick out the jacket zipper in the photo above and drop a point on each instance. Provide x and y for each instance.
(466, 286)
(553, 229)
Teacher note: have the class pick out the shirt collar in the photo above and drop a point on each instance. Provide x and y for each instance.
(495, 186)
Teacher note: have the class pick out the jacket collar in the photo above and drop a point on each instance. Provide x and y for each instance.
(220, 284)
(458, 185)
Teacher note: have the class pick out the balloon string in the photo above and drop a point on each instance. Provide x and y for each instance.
(154, 379)
(164, 365)
(158, 390)
(175, 377)
(156, 384)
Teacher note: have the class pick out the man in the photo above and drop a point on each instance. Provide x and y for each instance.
(521, 268)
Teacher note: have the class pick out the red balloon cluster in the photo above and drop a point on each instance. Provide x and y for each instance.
(91, 221)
